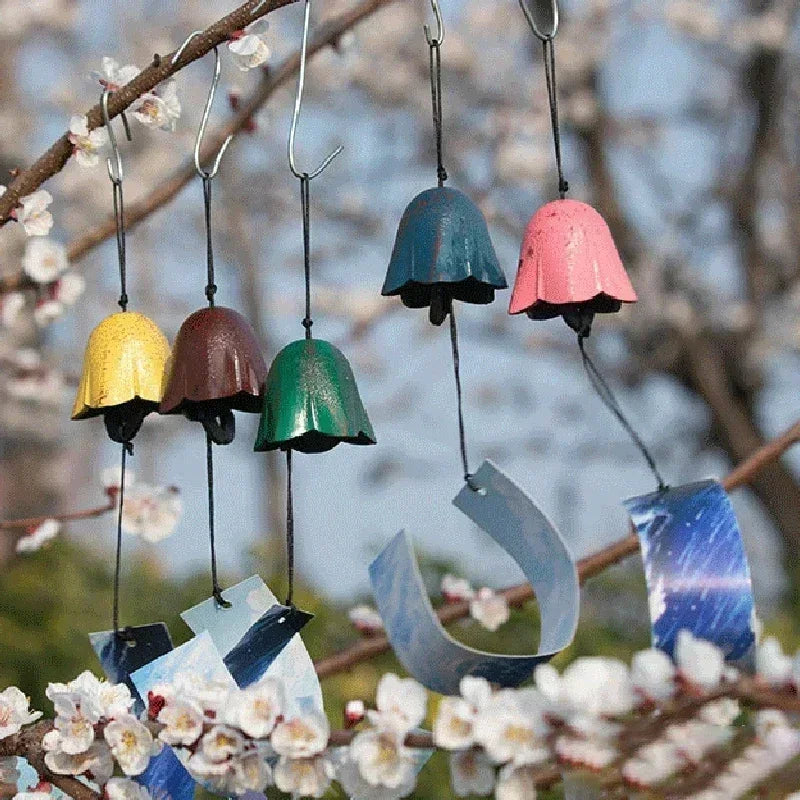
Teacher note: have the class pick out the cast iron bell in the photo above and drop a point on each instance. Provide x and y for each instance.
(443, 253)
(569, 266)
(216, 368)
(123, 374)
(311, 401)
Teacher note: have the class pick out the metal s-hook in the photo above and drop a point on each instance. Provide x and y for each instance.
(298, 101)
(437, 42)
(206, 174)
(116, 176)
(542, 16)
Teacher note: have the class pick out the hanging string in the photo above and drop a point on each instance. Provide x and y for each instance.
(462, 439)
(127, 448)
(211, 287)
(305, 204)
(549, 50)
(289, 529)
(604, 392)
(216, 591)
(436, 101)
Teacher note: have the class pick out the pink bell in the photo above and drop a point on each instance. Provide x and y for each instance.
(569, 266)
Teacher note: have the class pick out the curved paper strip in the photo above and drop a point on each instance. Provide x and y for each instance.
(418, 639)
(696, 568)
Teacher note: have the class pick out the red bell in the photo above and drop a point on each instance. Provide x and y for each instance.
(569, 266)
(216, 368)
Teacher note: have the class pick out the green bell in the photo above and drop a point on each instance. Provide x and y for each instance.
(311, 401)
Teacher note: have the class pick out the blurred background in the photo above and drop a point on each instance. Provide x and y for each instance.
(679, 122)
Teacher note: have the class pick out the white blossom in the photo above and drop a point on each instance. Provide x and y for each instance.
(383, 759)
(453, 728)
(183, 722)
(401, 702)
(256, 709)
(220, 743)
(594, 753)
(44, 260)
(471, 772)
(365, 619)
(76, 716)
(515, 783)
(96, 762)
(772, 664)
(304, 777)
(39, 536)
(110, 478)
(357, 787)
(456, 589)
(301, 737)
(489, 609)
(47, 311)
(249, 48)
(69, 287)
(251, 773)
(131, 743)
(354, 712)
(160, 108)
(15, 711)
(699, 662)
(151, 512)
(653, 674)
(10, 308)
(33, 214)
(125, 789)
(653, 763)
(114, 76)
(510, 727)
(86, 144)
(720, 712)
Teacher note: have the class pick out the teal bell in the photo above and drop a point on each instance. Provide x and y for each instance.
(443, 253)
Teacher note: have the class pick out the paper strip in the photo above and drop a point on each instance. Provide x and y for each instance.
(418, 639)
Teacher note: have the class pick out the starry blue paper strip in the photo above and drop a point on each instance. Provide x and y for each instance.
(252, 625)
(696, 568)
(165, 776)
(418, 639)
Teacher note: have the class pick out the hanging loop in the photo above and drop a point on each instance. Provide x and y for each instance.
(205, 174)
(115, 172)
(298, 101)
(542, 16)
(437, 42)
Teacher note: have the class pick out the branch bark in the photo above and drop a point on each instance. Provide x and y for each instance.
(745, 473)
(162, 68)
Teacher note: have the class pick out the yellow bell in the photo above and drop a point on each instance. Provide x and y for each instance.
(123, 373)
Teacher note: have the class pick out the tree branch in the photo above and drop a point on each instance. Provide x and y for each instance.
(86, 513)
(588, 567)
(162, 68)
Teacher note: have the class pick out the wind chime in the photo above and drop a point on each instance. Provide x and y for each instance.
(216, 366)
(311, 401)
(568, 264)
(443, 251)
(123, 367)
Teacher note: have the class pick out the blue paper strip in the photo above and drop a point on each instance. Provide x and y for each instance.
(250, 600)
(696, 568)
(165, 776)
(418, 639)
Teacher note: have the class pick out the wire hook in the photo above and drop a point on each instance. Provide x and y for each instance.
(205, 174)
(542, 16)
(298, 101)
(117, 175)
(437, 42)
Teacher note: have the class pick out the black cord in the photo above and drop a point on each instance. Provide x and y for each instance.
(216, 591)
(552, 97)
(305, 204)
(211, 287)
(126, 448)
(462, 439)
(436, 101)
(119, 217)
(289, 529)
(607, 396)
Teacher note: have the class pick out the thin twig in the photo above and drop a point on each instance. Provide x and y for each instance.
(162, 68)
(587, 567)
(87, 513)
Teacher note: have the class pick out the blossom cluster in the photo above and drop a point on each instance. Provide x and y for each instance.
(654, 722)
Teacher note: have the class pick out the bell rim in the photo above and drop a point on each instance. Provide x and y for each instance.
(314, 441)
(601, 303)
(89, 412)
(244, 401)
